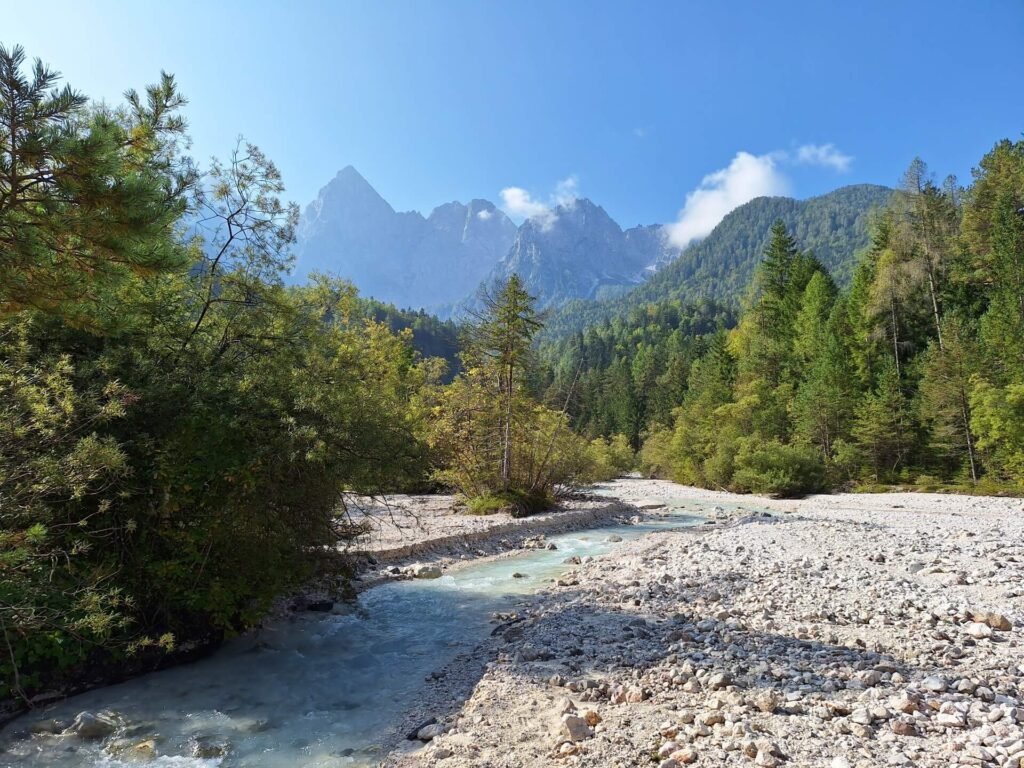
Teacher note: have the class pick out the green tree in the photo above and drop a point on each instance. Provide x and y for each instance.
(945, 395)
(88, 196)
(502, 338)
(880, 427)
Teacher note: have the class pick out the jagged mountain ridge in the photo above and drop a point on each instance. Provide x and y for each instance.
(402, 258)
(575, 259)
(580, 252)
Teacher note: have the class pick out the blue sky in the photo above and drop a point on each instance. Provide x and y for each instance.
(631, 104)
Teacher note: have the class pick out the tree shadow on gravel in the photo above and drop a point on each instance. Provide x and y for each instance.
(579, 641)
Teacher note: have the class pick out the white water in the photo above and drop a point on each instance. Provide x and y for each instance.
(320, 690)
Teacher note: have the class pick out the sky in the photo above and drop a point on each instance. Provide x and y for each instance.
(661, 112)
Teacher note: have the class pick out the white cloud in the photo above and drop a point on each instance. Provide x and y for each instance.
(484, 214)
(747, 176)
(826, 155)
(519, 203)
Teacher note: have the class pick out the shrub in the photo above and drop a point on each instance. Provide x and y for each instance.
(771, 467)
(655, 457)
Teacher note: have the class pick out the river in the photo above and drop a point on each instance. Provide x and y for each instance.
(317, 690)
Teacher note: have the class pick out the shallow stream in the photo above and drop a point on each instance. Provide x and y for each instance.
(319, 690)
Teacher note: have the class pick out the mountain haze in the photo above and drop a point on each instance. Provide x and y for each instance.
(401, 258)
(580, 252)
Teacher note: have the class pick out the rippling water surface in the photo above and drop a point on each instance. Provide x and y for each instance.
(320, 689)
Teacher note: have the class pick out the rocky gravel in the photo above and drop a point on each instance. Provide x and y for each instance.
(841, 631)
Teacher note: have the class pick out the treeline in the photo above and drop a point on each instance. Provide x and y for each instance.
(720, 267)
(431, 337)
(624, 374)
(914, 375)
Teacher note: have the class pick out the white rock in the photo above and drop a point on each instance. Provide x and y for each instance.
(575, 728)
(979, 630)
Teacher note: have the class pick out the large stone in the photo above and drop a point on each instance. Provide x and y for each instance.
(950, 719)
(935, 684)
(89, 726)
(430, 732)
(718, 681)
(684, 756)
(979, 631)
(205, 749)
(142, 750)
(994, 620)
(52, 727)
(427, 572)
(575, 728)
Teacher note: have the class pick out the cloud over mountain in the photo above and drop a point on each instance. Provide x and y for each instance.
(747, 176)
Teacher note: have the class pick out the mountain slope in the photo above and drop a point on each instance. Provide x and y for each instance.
(833, 226)
(401, 258)
(579, 252)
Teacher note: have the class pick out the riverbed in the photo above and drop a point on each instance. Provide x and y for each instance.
(316, 690)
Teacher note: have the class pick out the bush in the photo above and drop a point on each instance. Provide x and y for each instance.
(516, 503)
(609, 458)
(773, 468)
(655, 457)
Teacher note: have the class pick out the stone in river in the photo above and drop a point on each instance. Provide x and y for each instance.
(89, 726)
(649, 504)
(427, 572)
(429, 732)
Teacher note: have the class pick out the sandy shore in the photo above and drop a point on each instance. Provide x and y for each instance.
(841, 631)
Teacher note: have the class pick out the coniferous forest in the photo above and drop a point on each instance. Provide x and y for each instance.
(911, 374)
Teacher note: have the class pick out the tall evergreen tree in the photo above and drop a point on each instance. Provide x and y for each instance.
(880, 427)
(503, 338)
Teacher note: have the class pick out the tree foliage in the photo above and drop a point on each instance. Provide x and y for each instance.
(178, 429)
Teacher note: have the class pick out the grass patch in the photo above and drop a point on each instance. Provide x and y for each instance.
(516, 503)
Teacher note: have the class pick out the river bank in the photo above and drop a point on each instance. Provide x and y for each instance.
(324, 686)
(843, 630)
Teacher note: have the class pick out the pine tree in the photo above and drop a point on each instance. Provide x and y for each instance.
(503, 339)
(88, 197)
(945, 395)
(880, 426)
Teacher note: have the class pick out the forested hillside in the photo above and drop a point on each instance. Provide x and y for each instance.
(911, 372)
(834, 227)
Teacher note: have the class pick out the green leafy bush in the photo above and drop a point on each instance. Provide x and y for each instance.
(770, 467)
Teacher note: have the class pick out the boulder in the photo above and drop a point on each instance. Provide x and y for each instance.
(430, 732)
(575, 728)
(52, 727)
(89, 726)
(427, 571)
(935, 684)
(994, 620)
(205, 749)
(979, 631)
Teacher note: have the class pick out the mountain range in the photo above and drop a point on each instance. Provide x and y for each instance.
(574, 257)
(402, 258)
